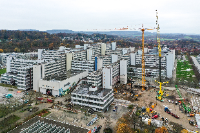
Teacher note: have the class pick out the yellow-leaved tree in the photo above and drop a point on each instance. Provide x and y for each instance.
(1, 50)
(124, 128)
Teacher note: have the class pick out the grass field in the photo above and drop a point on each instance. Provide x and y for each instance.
(164, 39)
(8, 121)
(2, 71)
(181, 70)
(187, 37)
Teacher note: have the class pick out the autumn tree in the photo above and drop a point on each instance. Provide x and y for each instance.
(1, 50)
(17, 49)
(176, 127)
(124, 128)
(51, 46)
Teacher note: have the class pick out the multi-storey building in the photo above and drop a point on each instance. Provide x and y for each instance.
(79, 55)
(152, 62)
(98, 99)
(95, 78)
(51, 54)
(82, 65)
(20, 71)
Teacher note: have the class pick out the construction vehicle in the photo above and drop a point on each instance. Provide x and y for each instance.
(160, 95)
(191, 122)
(187, 109)
(9, 96)
(160, 92)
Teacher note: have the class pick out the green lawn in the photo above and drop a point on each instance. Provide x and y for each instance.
(164, 39)
(2, 71)
(181, 70)
(187, 37)
(8, 121)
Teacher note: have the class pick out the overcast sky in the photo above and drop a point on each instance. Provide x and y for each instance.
(175, 16)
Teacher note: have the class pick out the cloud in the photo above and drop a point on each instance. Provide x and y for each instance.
(178, 16)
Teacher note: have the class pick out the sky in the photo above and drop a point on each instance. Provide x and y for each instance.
(174, 16)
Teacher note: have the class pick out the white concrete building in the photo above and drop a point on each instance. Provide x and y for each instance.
(96, 98)
(123, 71)
(57, 84)
(20, 71)
(40, 52)
(113, 45)
(68, 61)
(89, 54)
(152, 62)
(170, 59)
(51, 54)
(95, 78)
(82, 65)
(132, 58)
(99, 63)
(114, 58)
(103, 48)
(107, 77)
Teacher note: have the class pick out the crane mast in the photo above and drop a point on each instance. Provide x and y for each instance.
(143, 61)
(159, 47)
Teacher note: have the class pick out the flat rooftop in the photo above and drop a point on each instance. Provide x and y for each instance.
(62, 76)
(100, 92)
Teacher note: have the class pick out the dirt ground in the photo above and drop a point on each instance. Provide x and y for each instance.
(81, 120)
(149, 96)
(5, 90)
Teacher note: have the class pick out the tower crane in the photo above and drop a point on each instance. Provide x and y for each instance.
(143, 60)
(160, 96)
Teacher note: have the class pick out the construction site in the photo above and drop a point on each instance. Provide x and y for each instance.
(152, 99)
(159, 101)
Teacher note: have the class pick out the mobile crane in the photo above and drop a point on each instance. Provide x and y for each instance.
(160, 95)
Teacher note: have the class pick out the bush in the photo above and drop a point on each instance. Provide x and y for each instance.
(5, 85)
(130, 106)
(107, 130)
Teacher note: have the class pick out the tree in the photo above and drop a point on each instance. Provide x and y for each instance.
(1, 50)
(134, 120)
(176, 127)
(30, 96)
(51, 46)
(151, 128)
(17, 49)
(123, 128)
(161, 130)
(37, 94)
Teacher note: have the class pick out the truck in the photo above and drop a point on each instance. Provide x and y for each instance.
(8, 96)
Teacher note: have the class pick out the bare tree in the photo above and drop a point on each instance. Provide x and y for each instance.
(30, 96)
(107, 121)
(37, 94)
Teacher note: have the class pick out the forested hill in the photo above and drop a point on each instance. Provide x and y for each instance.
(25, 41)
(22, 41)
